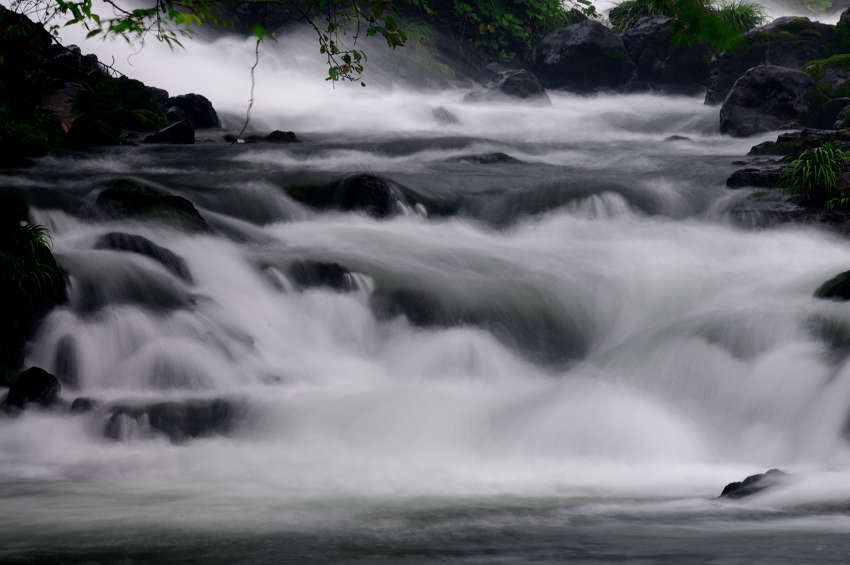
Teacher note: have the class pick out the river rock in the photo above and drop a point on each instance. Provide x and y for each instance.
(83, 405)
(311, 274)
(770, 98)
(367, 193)
(180, 133)
(494, 158)
(662, 63)
(786, 42)
(585, 57)
(836, 288)
(444, 117)
(179, 421)
(143, 246)
(792, 144)
(769, 176)
(198, 110)
(508, 84)
(832, 75)
(755, 484)
(129, 198)
(279, 136)
(33, 386)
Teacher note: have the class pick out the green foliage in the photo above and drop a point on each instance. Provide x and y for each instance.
(817, 70)
(814, 174)
(696, 21)
(505, 30)
(741, 14)
(25, 261)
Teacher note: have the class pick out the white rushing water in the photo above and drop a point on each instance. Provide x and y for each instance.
(699, 361)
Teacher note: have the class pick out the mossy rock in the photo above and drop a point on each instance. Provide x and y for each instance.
(130, 198)
(837, 288)
(831, 75)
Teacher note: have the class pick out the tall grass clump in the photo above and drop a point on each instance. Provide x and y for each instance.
(736, 16)
(814, 175)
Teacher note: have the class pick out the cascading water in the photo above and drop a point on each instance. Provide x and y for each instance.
(600, 347)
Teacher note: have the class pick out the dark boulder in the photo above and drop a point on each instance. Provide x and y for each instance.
(373, 195)
(130, 198)
(770, 98)
(33, 386)
(310, 274)
(792, 144)
(663, 63)
(66, 363)
(755, 484)
(82, 405)
(786, 42)
(181, 133)
(177, 420)
(141, 245)
(836, 288)
(278, 136)
(199, 110)
(832, 75)
(584, 57)
(769, 176)
(510, 84)
(489, 72)
(174, 114)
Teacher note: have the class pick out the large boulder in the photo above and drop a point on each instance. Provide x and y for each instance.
(510, 84)
(837, 288)
(197, 109)
(584, 57)
(662, 63)
(755, 484)
(33, 386)
(130, 198)
(786, 42)
(770, 98)
(832, 75)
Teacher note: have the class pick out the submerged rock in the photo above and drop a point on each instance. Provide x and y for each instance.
(444, 117)
(510, 84)
(143, 246)
(584, 57)
(485, 158)
(82, 405)
(309, 274)
(278, 136)
(33, 386)
(181, 133)
(197, 109)
(755, 484)
(770, 98)
(177, 420)
(130, 198)
(836, 288)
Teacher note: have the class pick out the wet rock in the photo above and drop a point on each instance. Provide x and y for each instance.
(278, 136)
(141, 245)
(66, 363)
(33, 386)
(836, 288)
(759, 177)
(174, 114)
(755, 484)
(82, 405)
(786, 42)
(831, 75)
(373, 195)
(584, 57)
(198, 109)
(485, 158)
(179, 421)
(310, 274)
(444, 117)
(663, 63)
(489, 72)
(792, 144)
(130, 198)
(770, 98)
(510, 84)
(673, 138)
(180, 133)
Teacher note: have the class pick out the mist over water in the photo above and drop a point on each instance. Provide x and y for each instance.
(611, 347)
